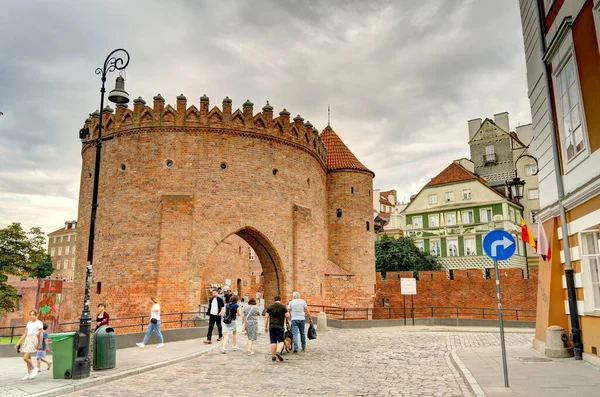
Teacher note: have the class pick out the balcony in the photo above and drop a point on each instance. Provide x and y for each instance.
(490, 158)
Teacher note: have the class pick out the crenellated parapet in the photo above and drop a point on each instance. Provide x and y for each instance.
(182, 118)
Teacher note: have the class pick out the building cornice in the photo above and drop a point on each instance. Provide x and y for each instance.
(574, 199)
(561, 33)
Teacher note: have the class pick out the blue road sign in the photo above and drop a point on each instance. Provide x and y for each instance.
(499, 245)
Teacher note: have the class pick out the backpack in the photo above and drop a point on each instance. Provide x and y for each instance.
(227, 317)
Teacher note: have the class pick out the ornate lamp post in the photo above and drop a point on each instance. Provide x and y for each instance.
(116, 60)
(517, 185)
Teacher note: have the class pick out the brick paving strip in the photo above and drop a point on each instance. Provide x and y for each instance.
(394, 361)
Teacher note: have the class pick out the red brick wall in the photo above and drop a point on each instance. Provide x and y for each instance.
(468, 290)
(158, 225)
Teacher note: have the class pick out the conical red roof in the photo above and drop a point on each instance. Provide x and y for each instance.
(339, 157)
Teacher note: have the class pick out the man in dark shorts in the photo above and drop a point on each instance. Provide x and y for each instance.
(274, 325)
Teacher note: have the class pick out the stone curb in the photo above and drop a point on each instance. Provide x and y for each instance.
(467, 375)
(84, 384)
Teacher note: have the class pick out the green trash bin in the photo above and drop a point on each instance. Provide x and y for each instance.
(63, 355)
(105, 348)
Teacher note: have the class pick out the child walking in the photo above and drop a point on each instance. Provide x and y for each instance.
(42, 353)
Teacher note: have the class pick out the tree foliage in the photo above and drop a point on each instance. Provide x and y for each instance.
(398, 255)
(44, 268)
(20, 252)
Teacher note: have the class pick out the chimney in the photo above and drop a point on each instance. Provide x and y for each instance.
(466, 163)
(473, 127)
(66, 225)
(501, 120)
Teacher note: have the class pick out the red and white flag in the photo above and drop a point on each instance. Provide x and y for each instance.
(543, 248)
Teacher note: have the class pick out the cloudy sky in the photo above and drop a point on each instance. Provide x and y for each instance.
(402, 78)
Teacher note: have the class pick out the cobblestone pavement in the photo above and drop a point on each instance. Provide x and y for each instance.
(398, 361)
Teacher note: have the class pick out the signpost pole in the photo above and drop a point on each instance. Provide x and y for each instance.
(404, 301)
(501, 324)
(412, 308)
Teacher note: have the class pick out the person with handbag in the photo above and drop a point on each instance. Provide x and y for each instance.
(215, 305)
(230, 313)
(298, 312)
(30, 343)
(154, 325)
(250, 323)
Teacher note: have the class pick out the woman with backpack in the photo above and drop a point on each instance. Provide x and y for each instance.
(250, 323)
(229, 314)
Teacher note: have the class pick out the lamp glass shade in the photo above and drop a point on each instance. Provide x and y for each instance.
(118, 95)
(516, 188)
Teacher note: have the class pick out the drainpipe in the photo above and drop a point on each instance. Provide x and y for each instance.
(574, 316)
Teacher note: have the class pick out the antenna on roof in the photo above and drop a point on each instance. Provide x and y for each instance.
(328, 115)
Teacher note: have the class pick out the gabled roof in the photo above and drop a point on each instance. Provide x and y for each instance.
(454, 173)
(63, 230)
(339, 157)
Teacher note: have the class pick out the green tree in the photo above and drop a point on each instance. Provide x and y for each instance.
(399, 255)
(44, 268)
(20, 252)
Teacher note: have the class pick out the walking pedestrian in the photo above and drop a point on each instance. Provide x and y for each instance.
(228, 294)
(275, 317)
(298, 312)
(231, 327)
(215, 304)
(154, 325)
(31, 342)
(42, 353)
(250, 323)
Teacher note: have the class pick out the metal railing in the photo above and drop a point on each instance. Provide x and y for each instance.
(408, 312)
(127, 324)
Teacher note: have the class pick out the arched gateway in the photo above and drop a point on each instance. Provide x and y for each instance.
(176, 182)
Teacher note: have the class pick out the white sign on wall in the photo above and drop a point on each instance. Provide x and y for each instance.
(408, 286)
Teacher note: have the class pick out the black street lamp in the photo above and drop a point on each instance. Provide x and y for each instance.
(516, 186)
(116, 60)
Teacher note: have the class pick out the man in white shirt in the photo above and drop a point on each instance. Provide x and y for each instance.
(298, 312)
(215, 304)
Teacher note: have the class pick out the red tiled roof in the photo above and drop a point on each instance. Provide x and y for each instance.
(453, 173)
(62, 230)
(339, 157)
(334, 270)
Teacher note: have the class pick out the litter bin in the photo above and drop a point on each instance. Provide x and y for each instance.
(63, 355)
(105, 348)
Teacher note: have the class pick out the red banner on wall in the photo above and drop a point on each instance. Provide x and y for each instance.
(48, 302)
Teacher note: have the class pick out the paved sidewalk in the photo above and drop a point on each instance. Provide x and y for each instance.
(129, 362)
(530, 373)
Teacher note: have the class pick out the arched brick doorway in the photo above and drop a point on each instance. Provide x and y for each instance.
(224, 264)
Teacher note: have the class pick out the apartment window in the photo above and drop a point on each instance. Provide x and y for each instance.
(59, 250)
(58, 264)
(520, 247)
(534, 216)
(530, 169)
(67, 250)
(435, 248)
(251, 251)
(452, 247)
(338, 212)
(433, 199)
(368, 226)
(66, 264)
(449, 196)
(69, 237)
(470, 246)
(52, 251)
(533, 194)
(485, 215)
(417, 222)
(434, 220)
(591, 268)
(73, 251)
(467, 217)
(467, 194)
(570, 104)
(451, 219)
(420, 246)
(61, 239)
(511, 214)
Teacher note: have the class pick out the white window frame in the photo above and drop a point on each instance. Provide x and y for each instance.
(596, 12)
(454, 242)
(433, 216)
(467, 250)
(251, 254)
(59, 250)
(73, 251)
(52, 251)
(536, 195)
(66, 264)
(462, 217)
(67, 248)
(420, 218)
(466, 193)
(420, 244)
(564, 54)
(519, 241)
(511, 214)
(591, 292)
(433, 199)
(448, 223)
(485, 210)
(437, 252)
(449, 196)
(548, 6)
(489, 149)
(530, 169)
(58, 264)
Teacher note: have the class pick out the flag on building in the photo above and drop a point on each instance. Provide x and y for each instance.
(543, 248)
(526, 234)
